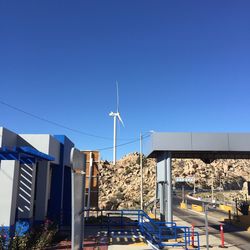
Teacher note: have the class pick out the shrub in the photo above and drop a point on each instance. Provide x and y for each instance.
(38, 237)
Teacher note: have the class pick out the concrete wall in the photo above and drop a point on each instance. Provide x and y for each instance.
(44, 143)
(42, 191)
(9, 171)
(48, 145)
(7, 138)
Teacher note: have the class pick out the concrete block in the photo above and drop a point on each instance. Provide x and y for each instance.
(197, 208)
(226, 208)
(183, 205)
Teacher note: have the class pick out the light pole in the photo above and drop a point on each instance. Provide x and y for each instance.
(194, 186)
(141, 166)
(141, 171)
(212, 188)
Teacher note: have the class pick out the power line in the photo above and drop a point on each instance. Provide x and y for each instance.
(68, 128)
(52, 122)
(123, 144)
(120, 145)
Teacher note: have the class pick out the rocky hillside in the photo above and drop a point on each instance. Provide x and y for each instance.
(226, 174)
(120, 185)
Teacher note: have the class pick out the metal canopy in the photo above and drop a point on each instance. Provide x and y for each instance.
(200, 145)
(205, 146)
(23, 154)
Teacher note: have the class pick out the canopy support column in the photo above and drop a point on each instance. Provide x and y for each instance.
(169, 212)
(164, 179)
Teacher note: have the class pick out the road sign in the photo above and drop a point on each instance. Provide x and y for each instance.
(186, 179)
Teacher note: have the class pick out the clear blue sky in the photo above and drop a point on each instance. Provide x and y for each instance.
(181, 66)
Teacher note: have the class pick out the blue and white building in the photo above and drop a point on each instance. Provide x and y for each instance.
(35, 178)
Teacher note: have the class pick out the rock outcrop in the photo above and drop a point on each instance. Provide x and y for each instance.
(120, 184)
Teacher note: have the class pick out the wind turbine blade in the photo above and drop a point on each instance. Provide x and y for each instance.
(120, 119)
(117, 97)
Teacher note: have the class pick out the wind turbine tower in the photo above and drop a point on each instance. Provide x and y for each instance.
(116, 115)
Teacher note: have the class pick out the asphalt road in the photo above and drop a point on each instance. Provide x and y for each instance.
(233, 235)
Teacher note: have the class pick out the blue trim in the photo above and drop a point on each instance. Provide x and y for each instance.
(60, 138)
(24, 154)
(36, 153)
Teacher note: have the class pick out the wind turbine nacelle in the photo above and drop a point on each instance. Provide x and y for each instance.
(111, 114)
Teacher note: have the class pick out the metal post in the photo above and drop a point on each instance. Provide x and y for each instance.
(212, 188)
(192, 235)
(169, 188)
(183, 192)
(222, 236)
(229, 216)
(163, 178)
(78, 172)
(162, 201)
(90, 180)
(194, 186)
(236, 208)
(114, 149)
(141, 171)
(165, 200)
(73, 210)
(206, 228)
(156, 194)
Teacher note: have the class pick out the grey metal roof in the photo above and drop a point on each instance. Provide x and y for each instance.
(200, 145)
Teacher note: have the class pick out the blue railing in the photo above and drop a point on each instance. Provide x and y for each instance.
(161, 232)
(156, 233)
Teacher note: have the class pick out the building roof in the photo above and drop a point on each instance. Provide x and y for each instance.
(200, 145)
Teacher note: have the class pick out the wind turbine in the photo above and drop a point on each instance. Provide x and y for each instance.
(116, 115)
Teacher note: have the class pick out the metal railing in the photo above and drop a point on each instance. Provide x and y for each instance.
(157, 233)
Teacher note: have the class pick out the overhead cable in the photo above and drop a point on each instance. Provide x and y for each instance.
(123, 144)
(52, 122)
(68, 128)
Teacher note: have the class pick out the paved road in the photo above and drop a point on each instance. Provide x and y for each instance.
(216, 212)
(233, 235)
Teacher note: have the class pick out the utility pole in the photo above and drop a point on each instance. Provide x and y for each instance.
(141, 167)
(90, 181)
(183, 192)
(194, 186)
(141, 171)
(114, 142)
(212, 188)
